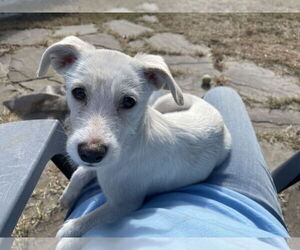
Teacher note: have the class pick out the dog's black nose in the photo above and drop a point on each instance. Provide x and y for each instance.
(92, 152)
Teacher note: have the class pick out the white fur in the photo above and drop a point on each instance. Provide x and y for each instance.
(151, 149)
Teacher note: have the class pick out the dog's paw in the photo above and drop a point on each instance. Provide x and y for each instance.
(71, 228)
(67, 199)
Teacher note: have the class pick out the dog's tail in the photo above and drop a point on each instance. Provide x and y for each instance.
(166, 104)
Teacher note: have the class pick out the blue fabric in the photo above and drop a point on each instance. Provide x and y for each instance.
(183, 244)
(202, 210)
(245, 170)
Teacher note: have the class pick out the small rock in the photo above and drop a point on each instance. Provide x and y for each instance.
(103, 40)
(206, 80)
(76, 30)
(24, 37)
(127, 29)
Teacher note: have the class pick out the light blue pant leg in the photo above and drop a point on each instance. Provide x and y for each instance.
(245, 171)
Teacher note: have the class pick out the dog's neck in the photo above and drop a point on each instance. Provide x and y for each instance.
(154, 130)
(155, 125)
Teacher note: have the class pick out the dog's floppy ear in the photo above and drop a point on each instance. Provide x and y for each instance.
(62, 55)
(157, 72)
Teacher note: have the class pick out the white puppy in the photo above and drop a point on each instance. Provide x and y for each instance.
(134, 149)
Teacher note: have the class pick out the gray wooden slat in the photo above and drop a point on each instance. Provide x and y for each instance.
(25, 149)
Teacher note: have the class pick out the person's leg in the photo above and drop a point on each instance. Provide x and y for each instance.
(245, 170)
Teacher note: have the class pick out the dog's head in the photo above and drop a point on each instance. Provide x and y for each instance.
(107, 94)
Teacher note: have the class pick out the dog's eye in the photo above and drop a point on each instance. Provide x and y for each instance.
(127, 102)
(79, 94)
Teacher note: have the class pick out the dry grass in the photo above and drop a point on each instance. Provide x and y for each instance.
(218, 58)
(219, 80)
(284, 102)
(49, 21)
(250, 101)
(43, 214)
(6, 49)
(290, 136)
(7, 116)
(271, 40)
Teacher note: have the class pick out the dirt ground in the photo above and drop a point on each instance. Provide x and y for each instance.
(269, 40)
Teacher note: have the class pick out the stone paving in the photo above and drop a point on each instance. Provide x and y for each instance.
(20, 52)
(127, 29)
(150, 6)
